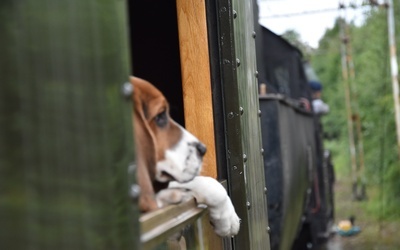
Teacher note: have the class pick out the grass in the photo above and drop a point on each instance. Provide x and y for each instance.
(379, 228)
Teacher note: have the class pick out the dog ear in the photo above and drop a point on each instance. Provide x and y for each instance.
(145, 149)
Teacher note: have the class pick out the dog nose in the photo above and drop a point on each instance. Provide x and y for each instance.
(201, 148)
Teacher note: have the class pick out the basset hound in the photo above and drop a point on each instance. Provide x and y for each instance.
(169, 160)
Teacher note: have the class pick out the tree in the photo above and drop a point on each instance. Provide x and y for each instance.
(373, 90)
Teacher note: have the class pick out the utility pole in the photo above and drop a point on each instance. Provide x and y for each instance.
(345, 74)
(394, 69)
(360, 175)
(353, 117)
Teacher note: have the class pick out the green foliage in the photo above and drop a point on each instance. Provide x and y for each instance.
(340, 159)
(372, 97)
(326, 63)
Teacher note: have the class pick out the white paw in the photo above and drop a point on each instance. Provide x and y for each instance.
(224, 219)
(210, 192)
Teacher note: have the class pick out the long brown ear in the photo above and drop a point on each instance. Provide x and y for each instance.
(145, 150)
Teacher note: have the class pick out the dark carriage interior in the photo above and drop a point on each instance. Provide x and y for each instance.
(154, 46)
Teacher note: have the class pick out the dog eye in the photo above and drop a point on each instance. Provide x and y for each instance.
(161, 119)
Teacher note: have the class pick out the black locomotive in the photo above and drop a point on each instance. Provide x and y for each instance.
(298, 171)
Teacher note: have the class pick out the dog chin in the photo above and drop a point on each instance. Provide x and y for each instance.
(185, 179)
(181, 177)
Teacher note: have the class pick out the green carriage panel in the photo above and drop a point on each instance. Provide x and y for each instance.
(245, 49)
(236, 78)
(65, 129)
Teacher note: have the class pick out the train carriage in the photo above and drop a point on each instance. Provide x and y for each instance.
(67, 162)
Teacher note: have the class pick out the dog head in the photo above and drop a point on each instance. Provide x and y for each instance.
(165, 150)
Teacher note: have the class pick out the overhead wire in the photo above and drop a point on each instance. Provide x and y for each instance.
(318, 11)
(309, 12)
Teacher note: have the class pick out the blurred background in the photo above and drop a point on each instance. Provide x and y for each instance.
(357, 33)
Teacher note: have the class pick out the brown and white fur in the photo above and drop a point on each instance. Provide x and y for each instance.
(170, 160)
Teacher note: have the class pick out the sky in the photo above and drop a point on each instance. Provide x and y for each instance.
(311, 26)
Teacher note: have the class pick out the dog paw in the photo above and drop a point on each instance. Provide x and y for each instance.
(224, 219)
(210, 192)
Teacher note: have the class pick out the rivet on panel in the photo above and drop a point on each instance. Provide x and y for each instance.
(259, 113)
(241, 110)
(237, 62)
(248, 204)
(262, 151)
(127, 90)
(268, 229)
(244, 157)
(265, 190)
(256, 74)
(254, 34)
(234, 13)
(134, 192)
